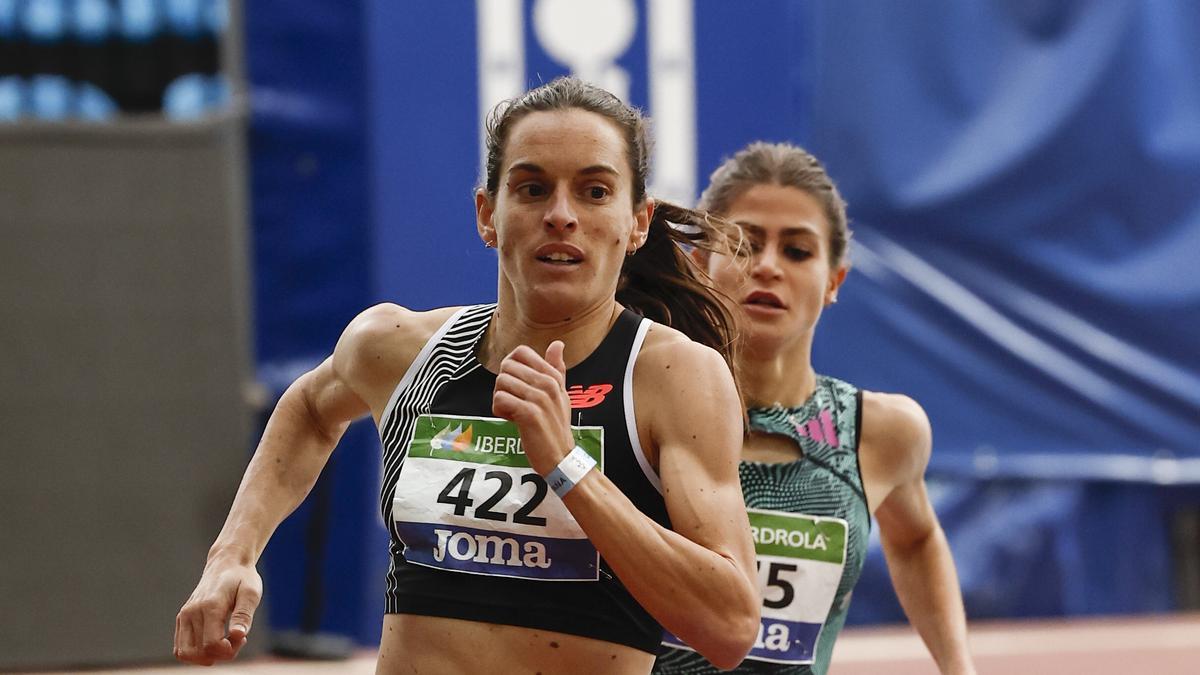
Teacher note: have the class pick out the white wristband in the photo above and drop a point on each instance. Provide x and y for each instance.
(570, 471)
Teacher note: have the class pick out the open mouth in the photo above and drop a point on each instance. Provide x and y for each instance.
(764, 299)
(559, 254)
(559, 258)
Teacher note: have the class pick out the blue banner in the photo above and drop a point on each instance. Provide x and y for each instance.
(1022, 179)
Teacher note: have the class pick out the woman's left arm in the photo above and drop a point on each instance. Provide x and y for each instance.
(896, 431)
(697, 578)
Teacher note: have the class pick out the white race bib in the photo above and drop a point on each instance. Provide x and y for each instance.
(800, 561)
(468, 501)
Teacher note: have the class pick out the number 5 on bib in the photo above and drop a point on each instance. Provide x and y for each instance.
(800, 560)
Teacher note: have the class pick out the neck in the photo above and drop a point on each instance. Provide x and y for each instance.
(581, 330)
(782, 376)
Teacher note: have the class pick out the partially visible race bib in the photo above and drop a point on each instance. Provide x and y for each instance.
(468, 501)
(800, 560)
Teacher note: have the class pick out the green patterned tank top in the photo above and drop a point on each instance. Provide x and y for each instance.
(810, 522)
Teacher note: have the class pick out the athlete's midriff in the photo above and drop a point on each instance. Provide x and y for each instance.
(430, 645)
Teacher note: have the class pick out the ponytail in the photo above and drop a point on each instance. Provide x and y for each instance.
(661, 281)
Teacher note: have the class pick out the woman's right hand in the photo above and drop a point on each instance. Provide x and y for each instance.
(213, 624)
(373, 354)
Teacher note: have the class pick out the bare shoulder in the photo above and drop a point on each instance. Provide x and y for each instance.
(671, 359)
(380, 344)
(681, 387)
(896, 435)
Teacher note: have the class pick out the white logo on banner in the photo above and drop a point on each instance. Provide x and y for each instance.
(588, 41)
(588, 38)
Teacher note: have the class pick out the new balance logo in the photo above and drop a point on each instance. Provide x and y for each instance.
(587, 398)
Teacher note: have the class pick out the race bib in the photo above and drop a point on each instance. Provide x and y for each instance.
(468, 501)
(800, 560)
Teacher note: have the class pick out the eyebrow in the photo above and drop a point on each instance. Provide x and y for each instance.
(787, 231)
(530, 167)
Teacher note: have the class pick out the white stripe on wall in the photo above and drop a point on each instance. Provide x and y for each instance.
(501, 55)
(672, 78)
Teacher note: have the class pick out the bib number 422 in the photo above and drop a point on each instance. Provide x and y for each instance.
(457, 493)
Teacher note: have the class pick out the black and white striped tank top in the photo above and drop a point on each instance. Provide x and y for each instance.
(474, 533)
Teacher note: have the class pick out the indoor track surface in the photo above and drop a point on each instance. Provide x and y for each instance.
(1165, 645)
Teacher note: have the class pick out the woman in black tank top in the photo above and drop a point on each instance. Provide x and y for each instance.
(560, 468)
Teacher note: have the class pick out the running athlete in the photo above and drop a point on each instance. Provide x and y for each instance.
(560, 473)
(822, 455)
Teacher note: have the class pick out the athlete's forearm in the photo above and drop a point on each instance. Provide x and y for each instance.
(703, 597)
(926, 583)
(293, 450)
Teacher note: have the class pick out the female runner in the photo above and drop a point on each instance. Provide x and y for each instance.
(560, 473)
(822, 455)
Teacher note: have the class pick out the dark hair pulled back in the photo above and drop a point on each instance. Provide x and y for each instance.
(659, 281)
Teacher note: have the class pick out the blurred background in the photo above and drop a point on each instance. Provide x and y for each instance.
(196, 196)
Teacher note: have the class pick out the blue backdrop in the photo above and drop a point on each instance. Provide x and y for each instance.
(1025, 181)
(1024, 186)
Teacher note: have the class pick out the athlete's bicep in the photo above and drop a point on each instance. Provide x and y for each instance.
(371, 357)
(328, 400)
(897, 442)
(704, 501)
(698, 434)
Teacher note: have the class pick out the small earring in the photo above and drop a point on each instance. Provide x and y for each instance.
(631, 252)
(489, 244)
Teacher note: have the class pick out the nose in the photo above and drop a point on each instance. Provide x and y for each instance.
(560, 213)
(765, 264)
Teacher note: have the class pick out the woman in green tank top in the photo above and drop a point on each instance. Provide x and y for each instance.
(822, 456)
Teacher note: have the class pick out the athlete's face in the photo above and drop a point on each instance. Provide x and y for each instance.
(563, 217)
(788, 279)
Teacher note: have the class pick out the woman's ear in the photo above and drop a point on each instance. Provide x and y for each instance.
(642, 217)
(484, 210)
(836, 279)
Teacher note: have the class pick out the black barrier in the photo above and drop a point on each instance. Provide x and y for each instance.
(94, 59)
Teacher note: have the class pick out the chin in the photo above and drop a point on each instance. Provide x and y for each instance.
(763, 344)
(553, 303)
